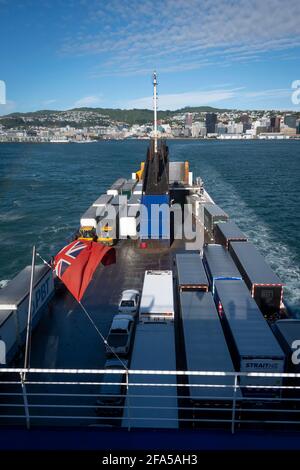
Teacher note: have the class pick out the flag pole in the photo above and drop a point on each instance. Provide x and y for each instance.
(101, 335)
(28, 331)
(27, 344)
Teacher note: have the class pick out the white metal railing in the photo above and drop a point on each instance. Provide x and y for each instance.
(149, 398)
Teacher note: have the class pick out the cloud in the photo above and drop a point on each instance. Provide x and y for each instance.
(216, 97)
(133, 37)
(87, 101)
(273, 93)
(180, 100)
(48, 102)
(2, 92)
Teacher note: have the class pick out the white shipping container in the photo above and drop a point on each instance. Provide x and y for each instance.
(157, 302)
(8, 333)
(88, 223)
(42, 293)
(127, 227)
(112, 192)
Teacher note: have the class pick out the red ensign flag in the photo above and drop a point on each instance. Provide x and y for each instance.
(76, 263)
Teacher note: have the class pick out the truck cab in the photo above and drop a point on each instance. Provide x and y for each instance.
(88, 224)
(87, 233)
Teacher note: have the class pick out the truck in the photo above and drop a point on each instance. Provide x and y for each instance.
(88, 223)
(205, 349)
(191, 274)
(128, 187)
(265, 286)
(152, 406)
(219, 265)
(14, 299)
(212, 215)
(102, 200)
(134, 201)
(108, 227)
(138, 189)
(157, 301)
(227, 232)
(116, 187)
(251, 341)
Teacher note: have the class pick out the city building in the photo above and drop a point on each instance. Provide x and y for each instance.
(188, 120)
(211, 121)
(275, 124)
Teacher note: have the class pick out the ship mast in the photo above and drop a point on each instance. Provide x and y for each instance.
(155, 110)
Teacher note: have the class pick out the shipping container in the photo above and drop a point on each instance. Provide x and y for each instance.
(138, 189)
(157, 301)
(227, 232)
(103, 200)
(219, 264)
(119, 201)
(212, 215)
(252, 343)
(155, 217)
(135, 200)
(128, 227)
(205, 349)
(191, 274)
(15, 297)
(89, 218)
(9, 335)
(264, 285)
(116, 187)
(128, 188)
(178, 173)
(152, 406)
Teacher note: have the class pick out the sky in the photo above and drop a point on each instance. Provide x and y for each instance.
(60, 54)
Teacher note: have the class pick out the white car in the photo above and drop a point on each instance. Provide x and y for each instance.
(120, 335)
(129, 302)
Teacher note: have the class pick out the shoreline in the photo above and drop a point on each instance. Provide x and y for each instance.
(184, 139)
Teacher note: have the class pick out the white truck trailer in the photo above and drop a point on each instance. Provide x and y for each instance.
(157, 302)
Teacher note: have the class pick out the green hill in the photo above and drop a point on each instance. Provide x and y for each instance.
(93, 116)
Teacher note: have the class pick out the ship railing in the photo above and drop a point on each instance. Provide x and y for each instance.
(150, 398)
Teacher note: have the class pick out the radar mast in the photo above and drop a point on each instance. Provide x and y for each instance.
(155, 110)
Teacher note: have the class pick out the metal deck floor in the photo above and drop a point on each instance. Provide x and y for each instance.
(65, 338)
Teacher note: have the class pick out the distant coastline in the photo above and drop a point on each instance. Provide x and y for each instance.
(184, 139)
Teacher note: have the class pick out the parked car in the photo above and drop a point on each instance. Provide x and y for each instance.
(120, 335)
(129, 302)
(111, 397)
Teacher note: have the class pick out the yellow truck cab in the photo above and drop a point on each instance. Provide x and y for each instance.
(87, 233)
(88, 225)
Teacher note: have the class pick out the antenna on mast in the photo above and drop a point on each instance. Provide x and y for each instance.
(155, 109)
